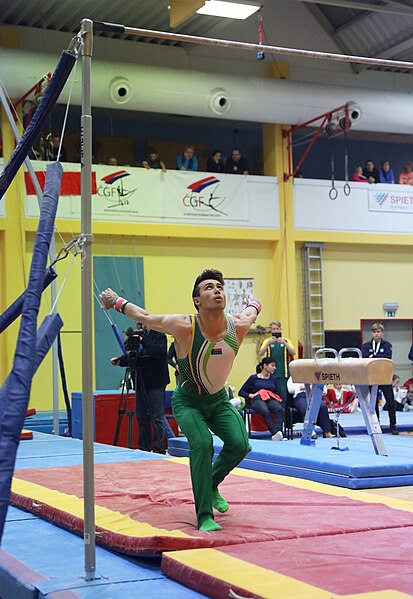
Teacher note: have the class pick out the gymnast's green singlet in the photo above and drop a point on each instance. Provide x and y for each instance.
(205, 369)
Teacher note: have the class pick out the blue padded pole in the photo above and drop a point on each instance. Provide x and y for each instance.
(57, 83)
(46, 335)
(15, 393)
(15, 309)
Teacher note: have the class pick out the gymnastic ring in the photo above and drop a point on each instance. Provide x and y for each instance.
(347, 189)
(333, 193)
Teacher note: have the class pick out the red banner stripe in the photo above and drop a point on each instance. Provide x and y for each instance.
(70, 183)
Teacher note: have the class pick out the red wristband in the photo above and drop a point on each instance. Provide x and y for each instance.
(254, 304)
(119, 303)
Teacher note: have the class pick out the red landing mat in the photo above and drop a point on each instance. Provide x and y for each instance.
(378, 562)
(146, 507)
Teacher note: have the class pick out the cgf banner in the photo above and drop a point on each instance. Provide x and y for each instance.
(206, 197)
(390, 201)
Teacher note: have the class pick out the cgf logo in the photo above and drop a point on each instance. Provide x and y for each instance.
(115, 193)
(203, 203)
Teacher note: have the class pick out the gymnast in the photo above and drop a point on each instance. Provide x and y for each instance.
(206, 345)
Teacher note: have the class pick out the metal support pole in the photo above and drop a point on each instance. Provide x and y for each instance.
(52, 254)
(87, 302)
(314, 398)
(370, 416)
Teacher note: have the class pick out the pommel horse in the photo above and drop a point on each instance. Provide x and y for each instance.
(363, 373)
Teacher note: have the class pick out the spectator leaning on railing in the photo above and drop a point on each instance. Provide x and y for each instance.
(406, 176)
(386, 173)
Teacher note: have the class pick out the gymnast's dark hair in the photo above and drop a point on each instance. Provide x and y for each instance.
(209, 273)
(267, 360)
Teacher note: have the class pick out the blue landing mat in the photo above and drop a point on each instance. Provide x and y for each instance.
(48, 451)
(55, 558)
(358, 468)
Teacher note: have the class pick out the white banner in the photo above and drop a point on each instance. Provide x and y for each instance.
(138, 195)
(391, 201)
(205, 196)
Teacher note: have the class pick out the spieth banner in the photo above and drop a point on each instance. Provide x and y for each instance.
(206, 196)
(391, 201)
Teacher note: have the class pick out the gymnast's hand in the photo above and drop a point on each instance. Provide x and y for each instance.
(108, 298)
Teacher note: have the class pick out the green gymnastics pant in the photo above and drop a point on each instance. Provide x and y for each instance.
(195, 415)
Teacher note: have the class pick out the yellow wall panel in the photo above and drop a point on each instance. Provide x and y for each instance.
(357, 280)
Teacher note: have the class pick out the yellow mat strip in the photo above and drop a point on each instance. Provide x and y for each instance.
(105, 518)
(260, 581)
(309, 485)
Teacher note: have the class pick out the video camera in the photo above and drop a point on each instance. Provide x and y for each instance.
(133, 343)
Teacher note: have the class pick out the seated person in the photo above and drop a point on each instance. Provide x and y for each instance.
(386, 173)
(406, 176)
(153, 161)
(50, 148)
(297, 390)
(338, 397)
(399, 394)
(358, 175)
(187, 161)
(371, 172)
(261, 394)
(215, 164)
(112, 161)
(237, 164)
(408, 401)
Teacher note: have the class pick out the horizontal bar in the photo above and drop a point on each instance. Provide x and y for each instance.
(208, 41)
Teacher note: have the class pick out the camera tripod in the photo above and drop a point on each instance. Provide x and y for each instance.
(133, 375)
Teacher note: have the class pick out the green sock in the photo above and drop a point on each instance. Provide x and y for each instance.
(209, 525)
(219, 502)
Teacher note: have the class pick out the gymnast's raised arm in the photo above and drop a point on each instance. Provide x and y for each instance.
(171, 324)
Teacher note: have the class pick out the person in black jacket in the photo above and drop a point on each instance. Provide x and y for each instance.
(410, 356)
(147, 350)
(237, 164)
(378, 347)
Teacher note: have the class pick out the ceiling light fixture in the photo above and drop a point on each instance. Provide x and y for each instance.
(230, 10)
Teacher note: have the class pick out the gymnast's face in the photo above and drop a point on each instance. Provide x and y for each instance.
(211, 295)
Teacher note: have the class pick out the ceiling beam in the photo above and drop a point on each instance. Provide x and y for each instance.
(356, 5)
(328, 27)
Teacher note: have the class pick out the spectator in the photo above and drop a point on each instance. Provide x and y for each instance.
(215, 164)
(112, 161)
(408, 402)
(147, 350)
(358, 175)
(297, 390)
(377, 347)
(237, 164)
(371, 172)
(398, 393)
(153, 161)
(281, 349)
(49, 149)
(410, 356)
(339, 397)
(406, 176)
(386, 173)
(187, 161)
(260, 392)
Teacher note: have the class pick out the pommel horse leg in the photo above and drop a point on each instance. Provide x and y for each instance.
(314, 399)
(370, 416)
